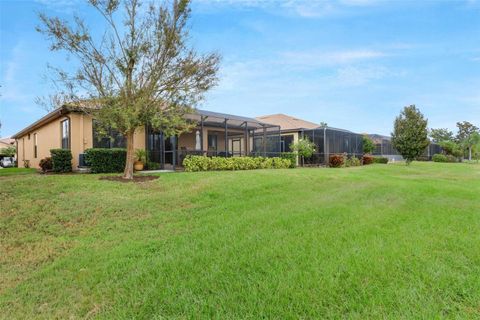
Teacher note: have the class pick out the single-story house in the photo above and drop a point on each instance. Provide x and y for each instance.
(327, 140)
(215, 134)
(291, 128)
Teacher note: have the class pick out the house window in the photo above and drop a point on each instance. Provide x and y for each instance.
(109, 139)
(65, 127)
(35, 148)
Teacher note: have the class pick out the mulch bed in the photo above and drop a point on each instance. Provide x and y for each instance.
(135, 178)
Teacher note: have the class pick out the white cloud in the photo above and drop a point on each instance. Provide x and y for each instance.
(302, 8)
(319, 58)
(356, 76)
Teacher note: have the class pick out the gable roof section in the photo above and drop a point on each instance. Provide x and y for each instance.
(42, 121)
(7, 141)
(287, 122)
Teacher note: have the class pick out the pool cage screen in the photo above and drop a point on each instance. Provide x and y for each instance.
(214, 134)
(386, 149)
(330, 141)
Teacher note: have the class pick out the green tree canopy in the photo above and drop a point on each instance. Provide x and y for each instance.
(410, 134)
(303, 147)
(368, 145)
(466, 136)
(441, 134)
(141, 71)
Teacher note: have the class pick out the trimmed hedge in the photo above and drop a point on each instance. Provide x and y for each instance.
(292, 156)
(336, 160)
(380, 160)
(102, 160)
(202, 163)
(61, 160)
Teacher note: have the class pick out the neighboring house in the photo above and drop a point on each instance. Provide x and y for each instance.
(216, 134)
(5, 143)
(327, 140)
(291, 128)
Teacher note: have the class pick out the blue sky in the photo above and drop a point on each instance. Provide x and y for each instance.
(353, 63)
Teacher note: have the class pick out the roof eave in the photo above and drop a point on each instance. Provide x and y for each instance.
(44, 120)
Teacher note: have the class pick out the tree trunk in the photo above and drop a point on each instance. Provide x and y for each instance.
(469, 153)
(128, 172)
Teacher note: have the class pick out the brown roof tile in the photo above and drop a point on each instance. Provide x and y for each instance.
(287, 122)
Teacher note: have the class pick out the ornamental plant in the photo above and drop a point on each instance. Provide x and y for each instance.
(304, 148)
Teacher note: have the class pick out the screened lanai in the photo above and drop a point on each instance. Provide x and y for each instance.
(215, 134)
(329, 141)
(384, 148)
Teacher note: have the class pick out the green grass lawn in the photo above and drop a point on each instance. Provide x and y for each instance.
(16, 171)
(381, 241)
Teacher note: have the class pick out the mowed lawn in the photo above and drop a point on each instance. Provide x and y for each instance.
(381, 241)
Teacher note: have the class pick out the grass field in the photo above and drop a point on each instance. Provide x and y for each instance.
(381, 241)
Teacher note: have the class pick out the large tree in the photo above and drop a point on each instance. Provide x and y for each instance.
(466, 137)
(139, 71)
(441, 134)
(410, 133)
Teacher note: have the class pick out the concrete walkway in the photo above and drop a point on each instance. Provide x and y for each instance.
(154, 171)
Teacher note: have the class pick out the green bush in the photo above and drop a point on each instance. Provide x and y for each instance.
(292, 156)
(353, 162)
(439, 158)
(451, 158)
(153, 165)
(380, 160)
(102, 160)
(61, 160)
(202, 163)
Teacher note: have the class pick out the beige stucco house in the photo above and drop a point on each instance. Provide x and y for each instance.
(215, 134)
(291, 128)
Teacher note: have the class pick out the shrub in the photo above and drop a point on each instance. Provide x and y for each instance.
(202, 163)
(439, 158)
(141, 155)
(336, 160)
(61, 160)
(366, 160)
(451, 158)
(304, 147)
(153, 165)
(380, 160)
(368, 144)
(292, 156)
(46, 164)
(102, 160)
(353, 162)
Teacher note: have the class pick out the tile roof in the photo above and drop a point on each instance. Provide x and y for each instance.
(287, 122)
